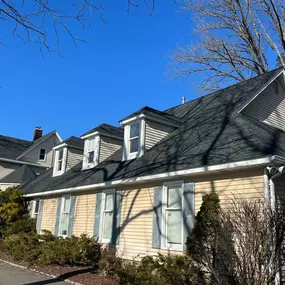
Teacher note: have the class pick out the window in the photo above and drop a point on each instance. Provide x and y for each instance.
(91, 152)
(64, 219)
(172, 216)
(42, 155)
(107, 216)
(59, 160)
(134, 137)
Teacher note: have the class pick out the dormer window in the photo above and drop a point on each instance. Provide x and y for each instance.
(134, 137)
(60, 161)
(91, 152)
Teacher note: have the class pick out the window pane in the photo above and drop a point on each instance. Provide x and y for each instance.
(59, 165)
(91, 145)
(66, 205)
(107, 226)
(60, 154)
(174, 199)
(37, 204)
(135, 130)
(109, 202)
(134, 145)
(90, 156)
(174, 227)
(64, 224)
(42, 151)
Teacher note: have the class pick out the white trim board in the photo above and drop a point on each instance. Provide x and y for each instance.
(21, 162)
(166, 176)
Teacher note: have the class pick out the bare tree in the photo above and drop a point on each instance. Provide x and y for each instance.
(235, 39)
(41, 22)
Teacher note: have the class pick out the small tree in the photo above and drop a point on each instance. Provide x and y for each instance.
(14, 214)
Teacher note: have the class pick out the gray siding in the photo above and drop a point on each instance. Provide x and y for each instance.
(108, 146)
(269, 105)
(74, 156)
(155, 132)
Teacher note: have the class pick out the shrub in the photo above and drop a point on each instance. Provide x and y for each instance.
(47, 249)
(109, 263)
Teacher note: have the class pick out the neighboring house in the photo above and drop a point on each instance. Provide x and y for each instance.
(22, 160)
(139, 186)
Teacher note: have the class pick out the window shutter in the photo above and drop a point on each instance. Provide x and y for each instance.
(157, 217)
(57, 220)
(117, 218)
(97, 214)
(188, 210)
(40, 214)
(71, 215)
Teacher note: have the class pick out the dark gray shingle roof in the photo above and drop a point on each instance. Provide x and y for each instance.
(73, 142)
(107, 129)
(212, 133)
(20, 175)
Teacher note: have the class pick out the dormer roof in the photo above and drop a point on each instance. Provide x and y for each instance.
(72, 141)
(106, 130)
(154, 115)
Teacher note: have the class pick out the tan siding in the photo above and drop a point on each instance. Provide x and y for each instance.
(108, 146)
(74, 156)
(136, 215)
(269, 106)
(155, 132)
(84, 214)
(49, 214)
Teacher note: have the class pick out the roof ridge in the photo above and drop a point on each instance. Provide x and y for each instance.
(14, 138)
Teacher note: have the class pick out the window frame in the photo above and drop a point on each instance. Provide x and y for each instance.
(164, 244)
(45, 155)
(103, 211)
(95, 149)
(57, 172)
(63, 198)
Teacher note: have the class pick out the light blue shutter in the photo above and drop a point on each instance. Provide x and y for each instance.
(57, 220)
(157, 217)
(40, 214)
(117, 218)
(188, 210)
(97, 214)
(71, 215)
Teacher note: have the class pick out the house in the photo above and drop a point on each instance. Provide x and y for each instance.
(22, 160)
(138, 186)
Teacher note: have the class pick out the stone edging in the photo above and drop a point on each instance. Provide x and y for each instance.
(39, 272)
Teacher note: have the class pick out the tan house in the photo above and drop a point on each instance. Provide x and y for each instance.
(22, 160)
(139, 186)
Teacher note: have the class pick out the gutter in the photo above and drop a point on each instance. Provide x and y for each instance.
(21, 162)
(163, 176)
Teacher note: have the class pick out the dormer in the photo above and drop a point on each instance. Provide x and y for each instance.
(67, 154)
(100, 143)
(144, 129)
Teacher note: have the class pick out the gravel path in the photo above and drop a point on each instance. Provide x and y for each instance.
(10, 275)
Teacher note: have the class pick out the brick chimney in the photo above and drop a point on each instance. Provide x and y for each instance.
(38, 132)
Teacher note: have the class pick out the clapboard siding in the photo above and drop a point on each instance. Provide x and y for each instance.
(49, 214)
(155, 132)
(108, 146)
(137, 204)
(84, 214)
(74, 156)
(269, 105)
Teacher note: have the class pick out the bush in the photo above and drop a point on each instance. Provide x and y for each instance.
(109, 263)
(162, 269)
(47, 249)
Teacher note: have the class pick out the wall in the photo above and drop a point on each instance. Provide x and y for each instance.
(7, 168)
(155, 132)
(269, 105)
(48, 144)
(74, 156)
(108, 146)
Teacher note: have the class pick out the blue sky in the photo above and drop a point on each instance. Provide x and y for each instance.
(121, 69)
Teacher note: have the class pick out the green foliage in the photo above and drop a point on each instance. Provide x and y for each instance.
(109, 263)
(206, 227)
(14, 216)
(47, 249)
(162, 269)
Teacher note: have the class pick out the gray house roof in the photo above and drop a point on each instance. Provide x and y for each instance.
(20, 175)
(108, 130)
(212, 132)
(73, 142)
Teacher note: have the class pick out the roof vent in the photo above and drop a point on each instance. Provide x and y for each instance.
(38, 132)
(183, 99)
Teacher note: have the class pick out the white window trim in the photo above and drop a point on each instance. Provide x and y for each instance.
(127, 155)
(109, 191)
(164, 244)
(33, 207)
(61, 212)
(64, 160)
(86, 164)
(42, 160)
